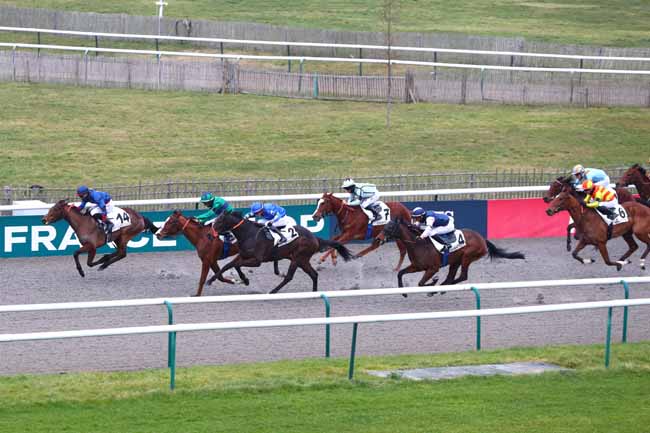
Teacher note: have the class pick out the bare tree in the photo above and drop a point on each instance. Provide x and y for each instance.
(390, 15)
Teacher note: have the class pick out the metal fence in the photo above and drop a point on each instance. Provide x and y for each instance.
(122, 23)
(442, 85)
(246, 187)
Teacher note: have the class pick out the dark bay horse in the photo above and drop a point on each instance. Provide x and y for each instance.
(594, 230)
(92, 237)
(255, 248)
(425, 257)
(353, 223)
(556, 187)
(209, 247)
(637, 176)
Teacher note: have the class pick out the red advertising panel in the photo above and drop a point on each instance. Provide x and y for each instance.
(523, 218)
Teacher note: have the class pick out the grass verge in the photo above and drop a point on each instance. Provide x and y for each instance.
(62, 136)
(314, 395)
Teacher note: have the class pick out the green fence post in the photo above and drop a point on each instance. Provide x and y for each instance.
(627, 296)
(315, 86)
(609, 336)
(327, 327)
(171, 348)
(353, 350)
(478, 318)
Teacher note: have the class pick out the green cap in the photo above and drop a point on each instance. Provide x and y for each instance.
(206, 197)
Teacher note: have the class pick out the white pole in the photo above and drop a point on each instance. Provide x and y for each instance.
(161, 4)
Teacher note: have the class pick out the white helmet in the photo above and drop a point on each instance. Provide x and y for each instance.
(348, 183)
(578, 169)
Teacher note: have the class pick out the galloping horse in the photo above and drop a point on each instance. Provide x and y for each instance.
(207, 243)
(637, 176)
(561, 182)
(594, 231)
(425, 257)
(92, 237)
(353, 223)
(255, 248)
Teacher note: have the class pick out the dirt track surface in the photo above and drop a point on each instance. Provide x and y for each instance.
(154, 275)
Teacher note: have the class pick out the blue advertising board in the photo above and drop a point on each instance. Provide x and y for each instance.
(27, 236)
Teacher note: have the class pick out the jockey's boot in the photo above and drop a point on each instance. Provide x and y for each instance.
(376, 212)
(229, 238)
(278, 232)
(108, 227)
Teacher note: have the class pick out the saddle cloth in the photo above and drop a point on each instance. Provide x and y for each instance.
(621, 216)
(289, 232)
(456, 242)
(119, 217)
(385, 214)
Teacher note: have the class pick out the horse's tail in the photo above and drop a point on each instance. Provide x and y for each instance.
(148, 225)
(495, 251)
(324, 244)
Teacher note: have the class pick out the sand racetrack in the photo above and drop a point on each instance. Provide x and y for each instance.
(154, 275)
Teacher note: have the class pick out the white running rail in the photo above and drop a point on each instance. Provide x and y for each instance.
(318, 45)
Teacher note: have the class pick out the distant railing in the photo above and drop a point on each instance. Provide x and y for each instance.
(178, 189)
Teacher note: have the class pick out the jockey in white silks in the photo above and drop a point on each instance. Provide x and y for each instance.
(364, 195)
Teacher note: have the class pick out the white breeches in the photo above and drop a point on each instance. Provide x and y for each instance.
(370, 200)
(93, 209)
(285, 221)
(605, 182)
(610, 204)
(441, 230)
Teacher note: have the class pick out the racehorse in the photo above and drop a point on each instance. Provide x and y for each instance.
(561, 182)
(91, 236)
(594, 231)
(209, 246)
(255, 247)
(637, 176)
(353, 223)
(425, 257)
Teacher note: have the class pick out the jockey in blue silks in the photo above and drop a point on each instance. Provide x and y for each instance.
(433, 223)
(274, 217)
(581, 174)
(101, 200)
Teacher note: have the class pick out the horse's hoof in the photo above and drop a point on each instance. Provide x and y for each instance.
(406, 295)
(83, 275)
(442, 293)
(587, 261)
(619, 266)
(430, 294)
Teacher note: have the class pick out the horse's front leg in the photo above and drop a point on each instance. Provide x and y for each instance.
(579, 247)
(602, 247)
(292, 270)
(407, 270)
(632, 247)
(568, 235)
(90, 249)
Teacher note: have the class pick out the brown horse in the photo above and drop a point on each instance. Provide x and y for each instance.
(595, 232)
(637, 176)
(425, 257)
(209, 246)
(556, 187)
(91, 236)
(353, 223)
(255, 247)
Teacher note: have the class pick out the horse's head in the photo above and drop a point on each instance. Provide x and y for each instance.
(632, 175)
(227, 221)
(556, 187)
(56, 212)
(172, 225)
(563, 201)
(325, 206)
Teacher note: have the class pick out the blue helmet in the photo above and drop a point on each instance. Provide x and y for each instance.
(256, 207)
(206, 197)
(269, 208)
(418, 212)
(82, 190)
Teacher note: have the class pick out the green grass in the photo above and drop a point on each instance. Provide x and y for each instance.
(315, 396)
(62, 136)
(597, 22)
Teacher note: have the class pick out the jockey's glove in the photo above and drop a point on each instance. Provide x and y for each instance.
(593, 204)
(269, 223)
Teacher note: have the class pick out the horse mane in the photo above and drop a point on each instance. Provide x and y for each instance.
(640, 168)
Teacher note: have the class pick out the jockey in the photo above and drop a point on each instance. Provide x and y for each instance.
(364, 195)
(274, 217)
(602, 198)
(433, 223)
(217, 206)
(597, 176)
(101, 200)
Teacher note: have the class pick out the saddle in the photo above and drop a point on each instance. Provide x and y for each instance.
(447, 238)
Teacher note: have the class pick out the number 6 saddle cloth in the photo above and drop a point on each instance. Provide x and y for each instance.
(456, 241)
(620, 216)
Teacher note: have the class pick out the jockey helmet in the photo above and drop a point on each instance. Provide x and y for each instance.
(587, 185)
(256, 208)
(348, 183)
(418, 212)
(206, 197)
(82, 190)
(578, 170)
